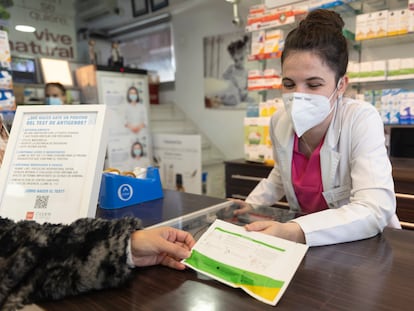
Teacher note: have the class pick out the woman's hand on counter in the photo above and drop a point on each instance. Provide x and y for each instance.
(289, 231)
(243, 207)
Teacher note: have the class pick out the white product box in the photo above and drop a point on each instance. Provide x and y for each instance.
(257, 43)
(272, 79)
(257, 143)
(371, 26)
(393, 68)
(316, 4)
(277, 3)
(6, 81)
(403, 22)
(365, 69)
(361, 26)
(393, 23)
(407, 68)
(394, 106)
(257, 9)
(5, 56)
(255, 80)
(378, 70)
(410, 14)
(380, 23)
(272, 39)
(385, 109)
(353, 71)
(300, 8)
(277, 17)
(269, 107)
(406, 107)
(254, 21)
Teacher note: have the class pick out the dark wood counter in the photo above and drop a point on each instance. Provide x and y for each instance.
(242, 176)
(403, 174)
(373, 274)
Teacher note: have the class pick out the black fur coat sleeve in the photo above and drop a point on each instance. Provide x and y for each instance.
(48, 261)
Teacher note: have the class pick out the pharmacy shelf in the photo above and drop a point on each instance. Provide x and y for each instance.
(387, 41)
(384, 84)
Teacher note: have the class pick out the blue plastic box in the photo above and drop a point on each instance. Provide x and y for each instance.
(119, 191)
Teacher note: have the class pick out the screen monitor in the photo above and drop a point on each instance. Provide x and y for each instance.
(24, 70)
(56, 70)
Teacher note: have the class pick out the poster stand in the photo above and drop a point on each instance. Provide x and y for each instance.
(53, 163)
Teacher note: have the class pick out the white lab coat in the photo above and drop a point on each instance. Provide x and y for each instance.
(356, 176)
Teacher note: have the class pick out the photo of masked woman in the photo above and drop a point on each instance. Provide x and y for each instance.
(135, 114)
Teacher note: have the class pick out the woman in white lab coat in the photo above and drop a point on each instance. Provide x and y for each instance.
(330, 154)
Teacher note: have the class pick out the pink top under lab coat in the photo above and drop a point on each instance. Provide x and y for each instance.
(307, 179)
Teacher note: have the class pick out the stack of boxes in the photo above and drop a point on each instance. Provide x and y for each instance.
(257, 143)
(382, 24)
(396, 106)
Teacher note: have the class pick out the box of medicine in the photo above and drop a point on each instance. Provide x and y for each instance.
(406, 113)
(361, 25)
(257, 143)
(403, 22)
(407, 68)
(380, 23)
(365, 69)
(410, 14)
(393, 23)
(378, 70)
(353, 71)
(393, 68)
(257, 43)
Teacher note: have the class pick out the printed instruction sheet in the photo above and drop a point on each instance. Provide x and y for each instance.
(260, 264)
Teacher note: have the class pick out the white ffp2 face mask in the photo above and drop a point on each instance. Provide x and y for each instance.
(307, 110)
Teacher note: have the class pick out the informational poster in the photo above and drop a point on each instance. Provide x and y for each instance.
(126, 96)
(53, 163)
(179, 161)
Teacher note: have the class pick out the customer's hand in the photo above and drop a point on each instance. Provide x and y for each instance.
(165, 245)
(243, 206)
(289, 231)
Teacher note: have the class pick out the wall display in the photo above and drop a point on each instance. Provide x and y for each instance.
(126, 96)
(55, 34)
(158, 4)
(52, 167)
(139, 7)
(179, 161)
(226, 71)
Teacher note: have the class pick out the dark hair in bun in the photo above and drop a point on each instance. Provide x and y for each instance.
(320, 32)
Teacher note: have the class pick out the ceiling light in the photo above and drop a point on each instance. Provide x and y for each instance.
(25, 28)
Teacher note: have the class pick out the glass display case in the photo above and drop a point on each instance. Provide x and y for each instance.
(197, 222)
